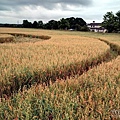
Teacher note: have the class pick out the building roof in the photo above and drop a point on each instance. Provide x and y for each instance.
(96, 24)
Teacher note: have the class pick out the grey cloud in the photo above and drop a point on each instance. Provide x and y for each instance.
(13, 10)
(48, 4)
(3, 8)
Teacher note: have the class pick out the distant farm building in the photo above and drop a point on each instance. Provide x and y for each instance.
(96, 27)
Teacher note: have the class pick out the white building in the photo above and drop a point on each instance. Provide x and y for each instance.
(96, 27)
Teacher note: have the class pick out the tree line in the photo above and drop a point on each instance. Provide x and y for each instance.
(111, 21)
(64, 24)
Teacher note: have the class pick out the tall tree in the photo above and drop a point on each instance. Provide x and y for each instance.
(64, 24)
(52, 24)
(110, 22)
(80, 21)
(71, 21)
(35, 24)
(27, 24)
(40, 24)
(118, 19)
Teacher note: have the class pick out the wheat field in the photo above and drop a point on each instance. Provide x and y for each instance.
(91, 96)
(28, 62)
(81, 71)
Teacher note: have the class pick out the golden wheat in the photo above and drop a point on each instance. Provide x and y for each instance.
(91, 96)
(22, 63)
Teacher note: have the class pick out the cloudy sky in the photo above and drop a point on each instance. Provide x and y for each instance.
(15, 11)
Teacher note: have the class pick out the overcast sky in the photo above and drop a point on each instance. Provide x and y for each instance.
(15, 11)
